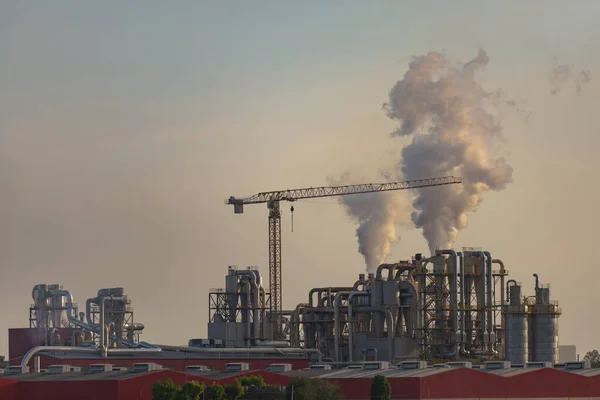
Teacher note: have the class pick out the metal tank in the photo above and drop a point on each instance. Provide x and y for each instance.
(516, 349)
(544, 316)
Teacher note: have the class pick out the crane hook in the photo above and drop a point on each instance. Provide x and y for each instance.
(292, 211)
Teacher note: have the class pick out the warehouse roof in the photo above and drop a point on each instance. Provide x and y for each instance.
(80, 376)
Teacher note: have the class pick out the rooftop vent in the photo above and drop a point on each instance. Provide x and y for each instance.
(412, 365)
(460, 364)
(62, 369)
(234, 367)
(16, 370)
(574, 365)
(141, 367)
(374, 365)
(283, 367)
(320, 366)
(538, 364)
(355, 366)
(496, 365)
(194, 368)
(94, 368)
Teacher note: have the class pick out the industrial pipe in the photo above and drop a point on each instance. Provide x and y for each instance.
(336, 322)
(263, 311)
(537, 282)
(253, 300)
(229, 351)
(390, 325)
(68, 349)
(454, 292)
(507, 289)
(421, 299)
(295, 324)
(359, 282)
(322, 289)
(490, 301)
(89, 327)
(350, 325)
(502, 272)
(462, 300)
(103, 330)
(246, 282)
(483, 301)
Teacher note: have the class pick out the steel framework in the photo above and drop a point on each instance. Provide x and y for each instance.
(275, 197)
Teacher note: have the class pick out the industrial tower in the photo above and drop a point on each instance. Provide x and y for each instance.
(274, 198)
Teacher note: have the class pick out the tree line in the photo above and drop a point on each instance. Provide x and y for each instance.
(253, 387)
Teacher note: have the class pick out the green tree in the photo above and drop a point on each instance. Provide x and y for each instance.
(252, 380)
(216, 392)
(164, 390)
(594, 358)
(381, 388)
(312, 389)
(234, 391)
(326, 390)
(191, 390)
(167, 390)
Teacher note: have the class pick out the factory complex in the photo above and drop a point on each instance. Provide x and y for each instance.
(452, 325)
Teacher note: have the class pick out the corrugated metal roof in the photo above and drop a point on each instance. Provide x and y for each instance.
(80, 376)
(390, 373)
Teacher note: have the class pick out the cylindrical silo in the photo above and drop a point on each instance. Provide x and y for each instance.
(544, 320)
(516, 345)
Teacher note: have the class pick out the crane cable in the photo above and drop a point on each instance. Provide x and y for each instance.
(292, 211)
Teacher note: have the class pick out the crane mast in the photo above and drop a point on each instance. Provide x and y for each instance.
(275, 197)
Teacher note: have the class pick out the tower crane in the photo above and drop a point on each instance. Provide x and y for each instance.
(274, 198)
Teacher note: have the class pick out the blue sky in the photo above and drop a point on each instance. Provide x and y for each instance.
(124, 126)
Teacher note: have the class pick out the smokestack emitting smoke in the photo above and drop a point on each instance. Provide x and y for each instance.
(446, 111)
(377, 215)
(563, 74)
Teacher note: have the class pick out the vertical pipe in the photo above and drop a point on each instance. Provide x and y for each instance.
(336, 322)
(247, 311)
(350, 324)
(462, 300)
(483, 301)
(454, 291)
(490, 301)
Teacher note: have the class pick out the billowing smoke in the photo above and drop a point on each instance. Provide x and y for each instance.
(377, 215)
(564, 74)
(447, 113)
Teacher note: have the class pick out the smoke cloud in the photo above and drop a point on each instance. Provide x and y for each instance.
(449, 116)
(454, 128)
(564, 74)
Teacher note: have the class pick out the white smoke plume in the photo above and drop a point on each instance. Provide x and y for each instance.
(564, 74)
(447, 113)
(377, 215)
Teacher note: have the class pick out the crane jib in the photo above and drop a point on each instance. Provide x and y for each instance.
(330, 191)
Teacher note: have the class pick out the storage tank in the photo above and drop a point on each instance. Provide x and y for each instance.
(516, 342)
(544, 320)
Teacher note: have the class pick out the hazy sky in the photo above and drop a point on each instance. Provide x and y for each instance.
(125, 125)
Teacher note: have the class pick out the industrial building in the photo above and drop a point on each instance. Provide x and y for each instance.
(409, 380)
(451, 309)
